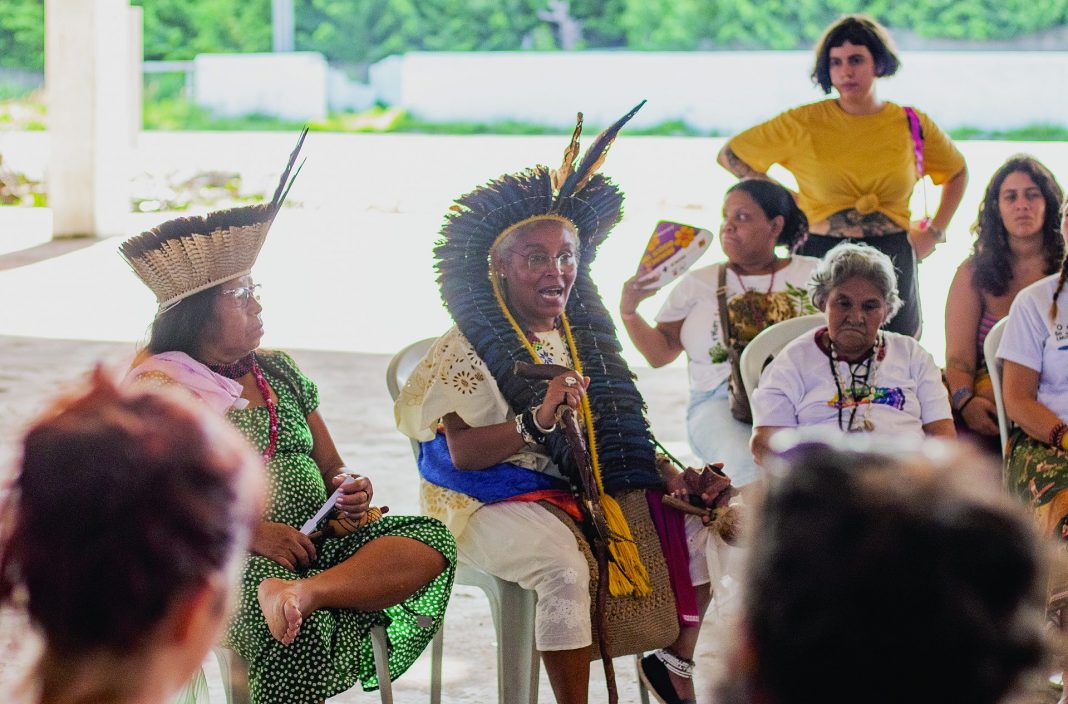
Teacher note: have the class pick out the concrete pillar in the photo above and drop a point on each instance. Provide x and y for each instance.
(136, 73)
(87, 80)
(282, 25)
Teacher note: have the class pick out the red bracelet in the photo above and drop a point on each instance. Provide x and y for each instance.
(1056, 435)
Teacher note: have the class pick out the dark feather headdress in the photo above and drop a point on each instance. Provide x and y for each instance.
(620, 442)
(187, 255)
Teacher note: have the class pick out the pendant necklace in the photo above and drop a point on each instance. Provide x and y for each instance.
(870, 364)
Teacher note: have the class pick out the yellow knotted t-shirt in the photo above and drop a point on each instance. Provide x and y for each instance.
(843, 161)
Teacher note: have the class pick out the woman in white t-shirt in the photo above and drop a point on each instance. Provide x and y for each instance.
(1034, 350)
(852, 374)
(761, 288)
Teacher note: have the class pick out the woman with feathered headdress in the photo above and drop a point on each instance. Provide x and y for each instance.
(514, 265)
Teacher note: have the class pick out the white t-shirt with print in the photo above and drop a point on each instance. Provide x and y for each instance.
(1033, 340)
(798, 389)
(693, 301)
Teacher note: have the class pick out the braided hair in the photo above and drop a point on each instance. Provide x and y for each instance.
(776, 201)
(1060, 281)
(990, 253)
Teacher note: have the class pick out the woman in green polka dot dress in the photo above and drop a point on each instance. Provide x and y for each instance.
(306, 609)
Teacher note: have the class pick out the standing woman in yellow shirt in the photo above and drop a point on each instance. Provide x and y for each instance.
(856, 159)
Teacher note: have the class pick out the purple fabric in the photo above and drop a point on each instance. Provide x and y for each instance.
(218, 392)
(986, 322)
(671, 529)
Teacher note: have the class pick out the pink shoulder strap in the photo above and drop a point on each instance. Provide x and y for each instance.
(917, 138)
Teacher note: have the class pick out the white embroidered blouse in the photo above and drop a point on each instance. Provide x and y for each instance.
(452, 378)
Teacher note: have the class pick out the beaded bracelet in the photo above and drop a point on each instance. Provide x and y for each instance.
(531, 424)
(521, 428)
(1057, 435)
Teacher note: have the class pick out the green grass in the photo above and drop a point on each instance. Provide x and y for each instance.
(1030, 133)
(167, 108)
(22, 111)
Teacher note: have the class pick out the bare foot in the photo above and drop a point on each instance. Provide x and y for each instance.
(281, 608)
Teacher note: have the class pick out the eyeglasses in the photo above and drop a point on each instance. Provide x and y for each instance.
(243, 294)
(538, 262)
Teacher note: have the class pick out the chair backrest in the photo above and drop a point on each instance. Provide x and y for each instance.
(401, 367)
(993, 365)
(768, 343)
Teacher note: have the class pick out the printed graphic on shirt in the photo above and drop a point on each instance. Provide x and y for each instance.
(859, 395)
(753, 311)
(1060, 334)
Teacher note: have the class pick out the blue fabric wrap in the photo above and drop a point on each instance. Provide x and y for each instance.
(497, 483)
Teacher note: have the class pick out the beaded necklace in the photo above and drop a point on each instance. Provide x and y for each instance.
(867, 383)
(757, 315)
(539, 345)
(239, 369)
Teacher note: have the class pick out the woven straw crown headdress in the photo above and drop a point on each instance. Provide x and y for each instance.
(188, 255)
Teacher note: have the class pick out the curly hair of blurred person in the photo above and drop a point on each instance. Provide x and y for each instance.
(888, 579)
(991, 252)
(123, 529)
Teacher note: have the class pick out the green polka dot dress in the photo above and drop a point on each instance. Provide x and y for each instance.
(333, 650)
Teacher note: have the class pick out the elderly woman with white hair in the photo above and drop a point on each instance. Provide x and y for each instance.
(852, 374)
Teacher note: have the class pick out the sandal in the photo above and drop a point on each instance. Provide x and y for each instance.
(653, 672)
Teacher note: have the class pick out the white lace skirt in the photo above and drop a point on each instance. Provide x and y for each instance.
(521, 542)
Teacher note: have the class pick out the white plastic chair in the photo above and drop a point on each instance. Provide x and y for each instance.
(768, 343)
(230, 664)
(511, 606)
(993, 365)
(196, 692)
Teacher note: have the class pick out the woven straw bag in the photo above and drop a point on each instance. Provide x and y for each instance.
(635, 624)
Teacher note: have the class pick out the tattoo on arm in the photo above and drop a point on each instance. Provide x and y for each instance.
(738, 167)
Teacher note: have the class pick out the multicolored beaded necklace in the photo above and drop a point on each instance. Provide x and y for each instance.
(239, 369)
(539, 346)
(870, 365)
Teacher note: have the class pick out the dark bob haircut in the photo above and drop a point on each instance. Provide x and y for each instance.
(859, 30)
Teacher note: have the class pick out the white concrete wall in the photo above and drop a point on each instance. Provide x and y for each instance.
(725, 91)
(291, 86)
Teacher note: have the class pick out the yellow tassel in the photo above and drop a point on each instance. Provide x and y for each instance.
(633, 578)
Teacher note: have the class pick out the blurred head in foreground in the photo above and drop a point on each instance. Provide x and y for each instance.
(122, 531)
(888, 578)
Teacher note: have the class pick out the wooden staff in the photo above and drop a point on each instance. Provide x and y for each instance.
(590, 496)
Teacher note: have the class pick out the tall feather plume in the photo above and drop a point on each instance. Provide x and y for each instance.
(285, 182)
(594, 156)
(560, 175)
